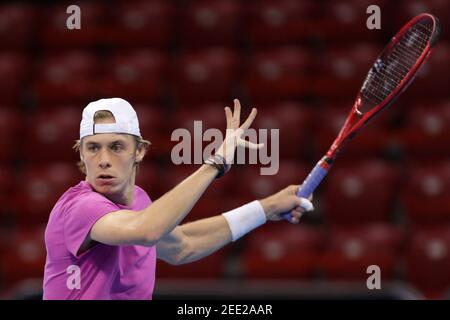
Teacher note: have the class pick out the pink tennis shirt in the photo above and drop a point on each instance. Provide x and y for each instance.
(103, 272)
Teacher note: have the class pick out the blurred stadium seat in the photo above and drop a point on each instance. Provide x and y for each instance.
(282, 251)
(7, 175)
(10, 126)
(17, 25)
(206, 23)
(37, 189)
(67, 77)
(294, 122)
(148, 23)
(425, 196)
(432, 79)
(51, 134)
(24, 255)
(149, 178)
(340, 22)
(204, 75)
(406, 9)
(350, 250)
(254, 185)
(138, 75)
(275, 22)
(428, 260)
(340, 71)
(14, 76)
(377, 137)
(54, 32)
(426, 130)
(280, 73)
(362, 192)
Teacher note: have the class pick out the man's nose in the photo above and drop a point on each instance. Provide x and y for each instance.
(104, 161)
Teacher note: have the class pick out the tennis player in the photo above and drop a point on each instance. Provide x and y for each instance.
(104, 234)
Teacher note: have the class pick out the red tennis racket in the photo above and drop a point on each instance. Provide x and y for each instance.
(393, 71)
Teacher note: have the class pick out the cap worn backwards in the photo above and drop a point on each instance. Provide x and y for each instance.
(124, 114)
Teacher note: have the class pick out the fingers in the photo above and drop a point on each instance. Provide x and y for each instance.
(248, 122)
(237, 113)
(296, 215)
(250, 145)
(229, 117)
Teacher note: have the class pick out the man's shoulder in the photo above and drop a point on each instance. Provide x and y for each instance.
(80, 193)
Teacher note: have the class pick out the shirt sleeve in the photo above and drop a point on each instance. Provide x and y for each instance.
(81, 216)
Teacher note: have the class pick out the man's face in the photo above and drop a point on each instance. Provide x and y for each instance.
(109, 159)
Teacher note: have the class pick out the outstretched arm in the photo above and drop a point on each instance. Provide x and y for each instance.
(198, 239)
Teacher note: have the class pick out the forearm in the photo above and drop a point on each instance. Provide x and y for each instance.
(205, 236)
(167, 212)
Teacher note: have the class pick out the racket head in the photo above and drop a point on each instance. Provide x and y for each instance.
(392, 72)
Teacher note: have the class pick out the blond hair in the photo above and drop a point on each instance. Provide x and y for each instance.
(102, 115)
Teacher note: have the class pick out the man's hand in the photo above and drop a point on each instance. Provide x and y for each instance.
(235, 132)
(286, 200)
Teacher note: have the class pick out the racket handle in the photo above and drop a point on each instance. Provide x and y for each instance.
(309, 185)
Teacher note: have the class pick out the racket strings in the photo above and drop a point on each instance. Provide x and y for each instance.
(395, 63)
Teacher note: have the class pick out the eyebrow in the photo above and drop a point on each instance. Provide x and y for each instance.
(110, 143)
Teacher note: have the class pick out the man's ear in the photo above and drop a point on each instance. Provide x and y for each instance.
(140, 154)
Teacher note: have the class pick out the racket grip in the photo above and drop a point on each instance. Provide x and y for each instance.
(309, 185)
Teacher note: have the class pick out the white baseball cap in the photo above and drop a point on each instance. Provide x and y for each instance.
(124, 114)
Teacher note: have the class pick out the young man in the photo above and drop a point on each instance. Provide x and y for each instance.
(104, 234)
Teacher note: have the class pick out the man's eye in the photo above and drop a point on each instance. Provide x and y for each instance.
(117, 147)
(93, 148)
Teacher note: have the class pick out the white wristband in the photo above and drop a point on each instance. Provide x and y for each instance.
(244, 219)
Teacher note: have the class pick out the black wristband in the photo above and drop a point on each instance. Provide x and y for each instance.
(218, 162)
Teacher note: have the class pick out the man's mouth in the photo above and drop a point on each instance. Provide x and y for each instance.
(105, 178)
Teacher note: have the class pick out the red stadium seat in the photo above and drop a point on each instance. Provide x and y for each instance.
(349, 251)
(149, 178)
(432, 80)
(428, 260)
(17, 27)
(277, 74)
(153, 120)
(407, 9)
(51, 135)
(345, 20)
(174, 174)
(360, 192)
(66, 78)
(24, 255)
(39, 187)
(293, 121)
(138, 75)
(10, 125)
(206, 75)
(54, 32)
(254, 185)
(14, 72)
(282, 251)
(426, 130)
(425, 196)
(6, 187)
(142, 23)
(375, 139)
(341, 71)
(281, 22)
(211, 23)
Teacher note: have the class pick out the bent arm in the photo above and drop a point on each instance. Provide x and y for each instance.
(147, 227)
(194, 240)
